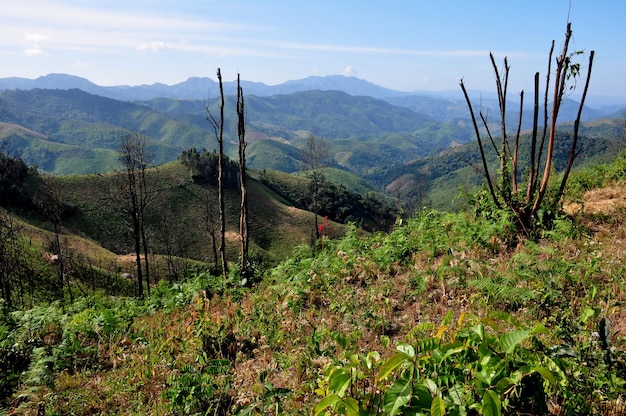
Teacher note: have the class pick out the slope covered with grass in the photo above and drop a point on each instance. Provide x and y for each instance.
(449, 313)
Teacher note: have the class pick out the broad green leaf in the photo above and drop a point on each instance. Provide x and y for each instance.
(437, 407)
(510, 340)
(586, 314)
(371, 358)
(457, 393)
(391, 364)
(422, 398)
(452, 348)
(325, 403)
(491, 404)
(385, 341)
(539, 329)
(504, 384)
(432, 386)
(478, 333)
(339, 381)
(396, 396)
(545, 373)
(352, 406)
(406, 348)
(355, 360)
(490, 323)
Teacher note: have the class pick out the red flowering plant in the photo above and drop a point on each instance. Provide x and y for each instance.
(324, 229)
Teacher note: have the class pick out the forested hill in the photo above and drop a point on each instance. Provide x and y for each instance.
(393, 147)
(364, 131)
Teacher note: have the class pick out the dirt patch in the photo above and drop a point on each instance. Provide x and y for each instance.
(600, 201)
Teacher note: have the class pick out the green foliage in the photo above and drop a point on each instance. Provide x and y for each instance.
(597, 176)
(14, 358)
(373, 324)
(13, 174)
(204, 167)
(334, 200)
(200, 389)
(478, 366)
(455, 370)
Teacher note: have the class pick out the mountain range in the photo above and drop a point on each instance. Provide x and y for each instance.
(204, 88)
(69, 125)
(201, 88)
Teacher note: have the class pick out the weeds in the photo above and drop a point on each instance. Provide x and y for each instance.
(446, 313)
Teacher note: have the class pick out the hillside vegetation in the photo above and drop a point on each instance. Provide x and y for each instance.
(449, 313)
(65, 217)
(49, 127)
(409, 152)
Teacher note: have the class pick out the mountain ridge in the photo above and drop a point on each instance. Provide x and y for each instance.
(201, 87)
(204, 88)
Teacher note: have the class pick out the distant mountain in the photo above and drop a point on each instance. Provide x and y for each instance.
(365, 134)
(349, 85)
(201, 88)
(441, 105)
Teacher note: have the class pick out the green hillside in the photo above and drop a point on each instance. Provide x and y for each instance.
(407, 154)
(436, 181)
(274, 227)
(448, 311)
(364, 132)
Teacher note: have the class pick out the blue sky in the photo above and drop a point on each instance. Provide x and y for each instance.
(405, 45)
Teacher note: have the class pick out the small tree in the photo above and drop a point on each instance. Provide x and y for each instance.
(503, 187)
(172, 234)
(210, 219)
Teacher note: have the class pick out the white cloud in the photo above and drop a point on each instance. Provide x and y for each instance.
(34, 51)
(349, 71)
(155, 46)
(35, 28)
(36, 38)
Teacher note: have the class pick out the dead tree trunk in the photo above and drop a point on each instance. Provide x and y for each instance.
(504, 192)
(218, 127)
(134, 199)
(243, 216)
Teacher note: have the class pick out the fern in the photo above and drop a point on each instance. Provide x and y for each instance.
(39, 372)
(505, 289)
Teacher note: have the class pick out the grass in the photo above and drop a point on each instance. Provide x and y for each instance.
(274, 227)
(205, 345)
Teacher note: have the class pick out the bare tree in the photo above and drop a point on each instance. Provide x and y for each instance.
(315, 157)
(11, 259)
(243, 216)
(210, 220)
(218, 129)
(503, 187)
(173, 235)
(51, 202)
(136, 194)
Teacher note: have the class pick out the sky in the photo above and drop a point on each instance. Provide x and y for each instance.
(407, 45)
